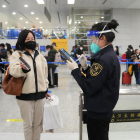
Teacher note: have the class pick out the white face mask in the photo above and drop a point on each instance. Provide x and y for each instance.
(81, 48)
(5, 48)
(37, 48)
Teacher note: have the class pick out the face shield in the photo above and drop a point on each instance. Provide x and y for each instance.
(95, 36)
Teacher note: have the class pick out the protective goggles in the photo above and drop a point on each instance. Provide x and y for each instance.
(96, 33)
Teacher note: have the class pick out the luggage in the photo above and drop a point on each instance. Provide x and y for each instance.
(52, 116)
(124, 57)
(126, 78)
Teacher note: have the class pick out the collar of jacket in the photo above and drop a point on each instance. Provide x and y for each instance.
(27, 53)
(102, 51)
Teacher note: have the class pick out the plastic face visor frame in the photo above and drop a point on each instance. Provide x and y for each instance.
(96, 33)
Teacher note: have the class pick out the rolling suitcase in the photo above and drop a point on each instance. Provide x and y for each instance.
(126, 78)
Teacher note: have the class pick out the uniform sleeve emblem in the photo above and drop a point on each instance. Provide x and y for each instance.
(95, 69)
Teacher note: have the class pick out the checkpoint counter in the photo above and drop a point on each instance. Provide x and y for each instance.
(119, 116)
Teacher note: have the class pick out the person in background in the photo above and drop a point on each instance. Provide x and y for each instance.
(137, 54)
(139, 47)
(54, 45)
(9, 53)
(51, 67)
(72, 51)
(129, 52)
(3, 51)
(79, 51)
(117, 50)
(37, 46)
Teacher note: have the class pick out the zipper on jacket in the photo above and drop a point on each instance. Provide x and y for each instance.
(35, 71)
(34, 65)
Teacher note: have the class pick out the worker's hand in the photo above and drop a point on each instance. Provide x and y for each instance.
(83, 61)
(72, 65)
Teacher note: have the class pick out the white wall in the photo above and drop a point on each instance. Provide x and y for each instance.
(71, 42)
(129, 28)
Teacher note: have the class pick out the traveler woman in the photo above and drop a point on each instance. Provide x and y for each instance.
(102, 80)
(32, 99)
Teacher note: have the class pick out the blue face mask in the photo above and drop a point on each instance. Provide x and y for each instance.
(94, 48)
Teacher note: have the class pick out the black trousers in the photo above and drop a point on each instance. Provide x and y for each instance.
(98, 128)
(51, 76)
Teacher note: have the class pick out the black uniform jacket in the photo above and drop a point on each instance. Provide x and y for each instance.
(101, 84)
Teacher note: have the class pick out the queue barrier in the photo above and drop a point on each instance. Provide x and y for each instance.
(79, 63)
(118, 116)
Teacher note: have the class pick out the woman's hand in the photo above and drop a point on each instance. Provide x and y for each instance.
(48, 96)
(23, 66)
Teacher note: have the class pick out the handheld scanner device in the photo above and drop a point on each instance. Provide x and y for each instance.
(25, 63)
(65, 54)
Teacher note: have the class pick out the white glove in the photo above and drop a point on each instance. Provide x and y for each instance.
(83, 61)
(72, 65)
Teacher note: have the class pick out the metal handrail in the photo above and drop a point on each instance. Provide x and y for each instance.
(81, 109)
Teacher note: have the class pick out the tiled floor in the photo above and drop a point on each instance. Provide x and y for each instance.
(68, 93)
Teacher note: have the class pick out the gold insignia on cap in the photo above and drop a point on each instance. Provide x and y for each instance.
(95, 69)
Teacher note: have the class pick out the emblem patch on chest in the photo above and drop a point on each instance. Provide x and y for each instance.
(95, 69)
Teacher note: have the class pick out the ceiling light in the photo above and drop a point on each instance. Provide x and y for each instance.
(14, 13)
(81, 16)
(7, 27)
(6, 22)
(32, 13)
(79, 22)
(37, 18)
(3, 6)
(25, 5)
(24, 27)
(40, 1)
(41, 27)
(26, 22)
(21, 18)
(75, 22)
(102, 17)
(40, 22)
(75, 27)
(71, 1)
(96, 22)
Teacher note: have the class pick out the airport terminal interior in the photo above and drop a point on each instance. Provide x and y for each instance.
(65, 23)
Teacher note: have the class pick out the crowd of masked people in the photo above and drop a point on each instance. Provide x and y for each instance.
(132, 56)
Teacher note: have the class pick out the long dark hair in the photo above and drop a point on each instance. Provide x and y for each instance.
(9, 48)
(21, 40)
(111, 25)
